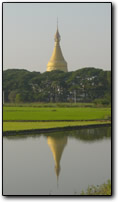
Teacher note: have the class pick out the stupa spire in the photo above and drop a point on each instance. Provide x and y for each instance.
(57, 61)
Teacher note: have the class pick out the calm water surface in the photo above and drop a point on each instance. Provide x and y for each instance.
(60, 163)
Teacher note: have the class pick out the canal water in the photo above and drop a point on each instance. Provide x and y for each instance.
(59, 163)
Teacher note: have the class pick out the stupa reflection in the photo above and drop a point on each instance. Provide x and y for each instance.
(57, 145)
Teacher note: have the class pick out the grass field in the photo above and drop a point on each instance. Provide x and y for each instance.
(26, 118)
(8, 126)
(36, 113)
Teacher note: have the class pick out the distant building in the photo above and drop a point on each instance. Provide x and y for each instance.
(57, 61)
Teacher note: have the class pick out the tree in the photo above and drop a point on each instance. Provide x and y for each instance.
(86, 85)
(12, 96)
(18, 98)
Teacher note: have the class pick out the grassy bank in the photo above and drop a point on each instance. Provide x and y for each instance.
(38, 104)
(37, 113)
(10, 126)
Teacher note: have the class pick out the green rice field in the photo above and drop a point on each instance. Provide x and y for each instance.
(28, 118)
(40, 114)
(10, 126)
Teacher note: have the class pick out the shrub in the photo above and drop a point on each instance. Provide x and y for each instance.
(104, 189)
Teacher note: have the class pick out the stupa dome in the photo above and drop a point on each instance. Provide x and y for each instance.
(57, 61)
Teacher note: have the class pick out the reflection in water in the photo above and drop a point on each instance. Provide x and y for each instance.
(28, 171)
(58, 140)
(57, 145)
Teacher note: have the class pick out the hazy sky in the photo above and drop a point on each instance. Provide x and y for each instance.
(29, 28)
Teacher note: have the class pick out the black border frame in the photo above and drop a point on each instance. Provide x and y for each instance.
(112, 137)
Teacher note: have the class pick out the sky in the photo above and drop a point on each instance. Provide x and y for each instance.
(29, 29)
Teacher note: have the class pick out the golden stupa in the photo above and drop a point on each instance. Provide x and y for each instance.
(57, 61)
(57, 145)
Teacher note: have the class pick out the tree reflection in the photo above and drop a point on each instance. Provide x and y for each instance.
(85, 134)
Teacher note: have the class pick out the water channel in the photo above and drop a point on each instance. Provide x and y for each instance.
(58, 163)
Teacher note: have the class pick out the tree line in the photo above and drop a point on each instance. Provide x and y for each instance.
(83, 85)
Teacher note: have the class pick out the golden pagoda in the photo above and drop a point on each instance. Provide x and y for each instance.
(57, 61)
(57, 145)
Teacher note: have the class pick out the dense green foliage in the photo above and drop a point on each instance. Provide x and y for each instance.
(83, 85)
(104, 189)
(36, 113)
